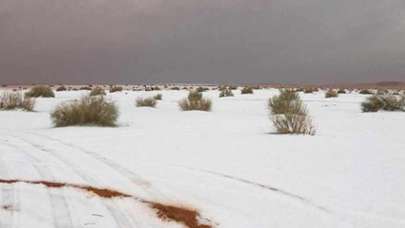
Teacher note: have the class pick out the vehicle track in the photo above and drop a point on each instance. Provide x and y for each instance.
(59, 203)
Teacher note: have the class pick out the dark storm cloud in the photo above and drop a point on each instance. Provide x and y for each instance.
(136, 41)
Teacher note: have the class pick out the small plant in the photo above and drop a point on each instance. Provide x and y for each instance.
(331, 93)
(86, 111)
(289, 114)
(40, 91)
(175, 88)
(158, 97)
(61, 88)
(341, 91)
(376, 103)
(85, 88)
(114, 89)
(310, 90)
(97, 91)
(366, 92)
(201, 89)
(10, 101)
(195, 101)
(226, 93)
(146, 102)
(247, 90)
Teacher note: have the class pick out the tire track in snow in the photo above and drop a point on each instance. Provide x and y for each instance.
(8, 200)
(290, 195)
(120, 218)
(61, 214)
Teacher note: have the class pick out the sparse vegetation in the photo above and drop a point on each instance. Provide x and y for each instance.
(201, 89)
(376, 103)
(61, 88)
(13, 100)
(146, 102)
(86, 111)
(40, 91)
(114, 89)
(226, 93)
(366, 92)
(289, 114)
(331, 93)
(247, 90)
(85, 88)
(341, 91)
(158, 96)
(310, 90)
(195, 101)
(96, 91)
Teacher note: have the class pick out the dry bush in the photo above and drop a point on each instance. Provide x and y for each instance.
(115, 89)
(341, 91)
(175, 88)
(202, 89)
(226, 93)
(61, 88)
(97, 91)
(247, 90)
(146, 102)
(195, 101)
(310, 90)
(40, 91)
(383, 102)
(86, 111)
(331, 93)
(158, 97)
(366, 92)
(10, 101)
(289, 114)
(85, 88)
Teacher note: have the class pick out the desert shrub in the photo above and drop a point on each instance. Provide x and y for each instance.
(195, 101)
(156, 88)
(341, 91)
(61, 88)
(247, 90)
(40, 91)
(158, 96)
(331, 93)
(9, 101)
(146, 102)
(226, 93)
(310, 90)
(86, 111)
(85, 88)
(97, 91)
(115, 89)
(289, 114)
(201, 89)
(175, 88)
(366, 92)
(383, 102)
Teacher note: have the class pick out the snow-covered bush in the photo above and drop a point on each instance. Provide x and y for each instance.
(331, 93)
(115, 89)
(226, 92)
(366, 92)
(97, 91)
(341, 91)
(40, 91)
(247, 90)
(61, 88)
(195, 101)
(86, 111)
(383, 102)
(14, 100)
(158, 96)
(146, 102)
(289, 114)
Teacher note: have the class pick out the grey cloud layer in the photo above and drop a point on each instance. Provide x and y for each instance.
(135, 41)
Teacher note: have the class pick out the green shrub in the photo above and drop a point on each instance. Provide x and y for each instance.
(226, 93)
(86, 111)
(158, 96)
(97, 91)
(247, 90)
(289, 114)
(40, 91)
(146, 102)
(114, 89)
(383, 102)
(195, 101)
(331, 93)
(10, 101)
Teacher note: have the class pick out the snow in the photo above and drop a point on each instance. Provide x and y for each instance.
(226, 163)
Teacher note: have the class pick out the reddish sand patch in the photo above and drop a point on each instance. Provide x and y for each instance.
(188, 217)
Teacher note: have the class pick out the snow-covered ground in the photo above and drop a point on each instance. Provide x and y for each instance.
(227, 164)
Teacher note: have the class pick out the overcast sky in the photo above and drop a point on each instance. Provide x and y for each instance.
(205, 41)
